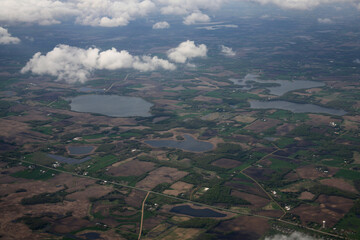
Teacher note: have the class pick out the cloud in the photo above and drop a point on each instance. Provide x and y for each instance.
(187, 50)
(302, 4)
(187, 6)
(74, 64)
(216, 27)
(43, 12)
(357, 61)
(293, 236)
(112, 13)
(196, 17)
(161, 25)
(6, 38)
(325, 20)
(227, 51)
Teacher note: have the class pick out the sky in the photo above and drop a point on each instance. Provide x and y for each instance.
(74, 64)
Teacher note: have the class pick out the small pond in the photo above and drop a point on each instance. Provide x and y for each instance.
(111, 105)
(295, 107)
(189, 144)
(80, 150)
(71, 161)
(188, 210)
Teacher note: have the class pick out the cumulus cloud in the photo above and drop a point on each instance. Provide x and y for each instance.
(187, 6)
(74, 64)
(293, 236)
(302, 4)
(227, 51)
(196, 17)
(187, 50)
(111, 13)
(357, 61)
(325, 20)
(43, 12)
(6, 38)
(161, 25)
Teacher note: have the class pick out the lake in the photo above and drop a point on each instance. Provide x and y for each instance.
(71, 161)
(80, 150)
(111, 105)
(188, 144)
(283, 87)
(188, 210)
(295, 107)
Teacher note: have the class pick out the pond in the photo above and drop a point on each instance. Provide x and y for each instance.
(188, 210)
(71, 161)
(295, 107)
(80, 150)
(282, 86)
(188, 144)
(111, 105)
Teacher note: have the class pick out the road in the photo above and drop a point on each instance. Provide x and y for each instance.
(181, 199)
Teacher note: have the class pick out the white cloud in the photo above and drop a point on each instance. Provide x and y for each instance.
(43, 12)
(6, 38)
(74, 64)
(325, 20)
(161, 25)
(302, 4)
(293, 236)
(216, 27)
(357, 61)
(182, 7)
(196, 17)
(187, 50)
(111, 13)
(227, 51)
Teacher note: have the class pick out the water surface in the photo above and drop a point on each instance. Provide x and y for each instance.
(188, 210)
(295, 107)
(283, 86)
(189, 144)
(80, 150)
(71, 161)
(111, 105)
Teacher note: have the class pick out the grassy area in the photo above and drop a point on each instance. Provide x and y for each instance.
(277, 163)
(348, 174)
(36, 174)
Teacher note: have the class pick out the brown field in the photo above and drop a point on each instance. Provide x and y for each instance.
(135, 198)
(226, 163)
(298, 186)
(182, 234)
(131, 168)
(207, 99)
(244, 227)
(245, 119)
(260, 125)
(306, 196)
(310, 172)
(256, 201)
(161, 175)
(356, 158)
(340, 184)
(178, 188)
(316, 120)
(71, 224)
(331, 209)
(285, 129)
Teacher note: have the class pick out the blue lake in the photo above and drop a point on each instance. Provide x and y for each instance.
(295, 107)
(80, 150)
(188, 144)
(188, 210)
(111, 105)
(71, 161)
(283, 87)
